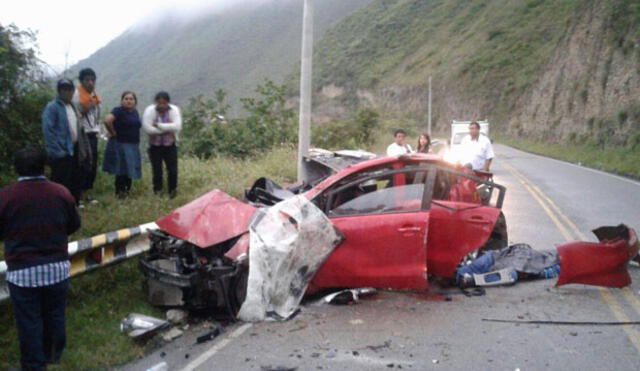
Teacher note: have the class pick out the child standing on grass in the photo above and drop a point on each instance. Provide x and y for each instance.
(122, 155)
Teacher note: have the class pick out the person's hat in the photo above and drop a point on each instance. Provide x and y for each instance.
(63, 83)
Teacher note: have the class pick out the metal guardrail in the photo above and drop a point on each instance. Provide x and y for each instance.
(98, 251)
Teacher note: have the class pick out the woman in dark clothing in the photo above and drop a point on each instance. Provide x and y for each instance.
(424, 144)
(122, 155)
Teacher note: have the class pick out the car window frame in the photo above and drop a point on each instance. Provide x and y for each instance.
(501, 189)
(425, 204)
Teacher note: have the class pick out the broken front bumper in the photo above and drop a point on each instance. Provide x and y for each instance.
(179, 273)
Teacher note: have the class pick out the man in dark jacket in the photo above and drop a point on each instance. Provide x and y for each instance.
(36, 217)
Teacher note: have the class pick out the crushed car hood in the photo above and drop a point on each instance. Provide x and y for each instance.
(213, 218)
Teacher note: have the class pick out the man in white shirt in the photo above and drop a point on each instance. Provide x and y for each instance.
(477, 149)
(399, 147)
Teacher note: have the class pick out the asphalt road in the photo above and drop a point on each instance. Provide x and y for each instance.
(548, 203)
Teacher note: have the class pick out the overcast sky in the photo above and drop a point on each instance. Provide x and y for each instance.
(79, 28)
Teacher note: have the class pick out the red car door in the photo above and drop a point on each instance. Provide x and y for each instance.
(385, 233)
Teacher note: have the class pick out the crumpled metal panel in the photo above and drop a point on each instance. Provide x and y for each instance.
(599, 264)
(289, 241)
(241, 247)
(213, 218)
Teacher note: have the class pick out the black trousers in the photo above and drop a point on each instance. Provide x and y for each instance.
(168, 155)
(90, 174)
(123, 185)
(66, 171)
(40, 319)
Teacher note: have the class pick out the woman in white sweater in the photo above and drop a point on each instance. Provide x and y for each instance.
(162, 122)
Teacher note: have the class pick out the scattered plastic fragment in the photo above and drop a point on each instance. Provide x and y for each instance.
(349, 296)
(136, 325)
(209, 335)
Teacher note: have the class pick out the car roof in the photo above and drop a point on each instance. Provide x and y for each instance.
(377, 162)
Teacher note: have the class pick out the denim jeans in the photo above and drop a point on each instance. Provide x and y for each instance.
(39, 313)
(480, 265)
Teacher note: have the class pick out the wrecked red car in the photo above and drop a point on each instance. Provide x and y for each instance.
(402, 218)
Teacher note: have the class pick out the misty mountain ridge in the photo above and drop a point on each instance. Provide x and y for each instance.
(234, 48)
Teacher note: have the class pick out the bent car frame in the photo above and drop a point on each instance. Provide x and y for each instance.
(403, 219)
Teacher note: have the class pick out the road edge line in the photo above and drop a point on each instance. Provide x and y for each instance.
(216, 348)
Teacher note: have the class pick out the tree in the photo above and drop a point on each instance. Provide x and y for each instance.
(23, 95)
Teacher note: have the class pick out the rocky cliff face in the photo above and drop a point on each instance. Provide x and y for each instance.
(590, 87)
(579, 81)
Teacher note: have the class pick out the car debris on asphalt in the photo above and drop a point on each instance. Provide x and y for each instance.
(209, 335)
(348, 296)
(138, 325)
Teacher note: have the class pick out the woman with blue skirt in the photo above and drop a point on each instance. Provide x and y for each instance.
(122, 155)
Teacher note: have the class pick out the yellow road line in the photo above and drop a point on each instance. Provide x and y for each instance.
(568, 221)
(632, 299)
(613, 304)
(632, 333)
(551, 215)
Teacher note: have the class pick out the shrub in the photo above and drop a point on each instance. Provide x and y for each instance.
(352, 133)
(268, 124)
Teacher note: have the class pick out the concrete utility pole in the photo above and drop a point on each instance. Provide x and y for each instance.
(429, 119)
(304, 126)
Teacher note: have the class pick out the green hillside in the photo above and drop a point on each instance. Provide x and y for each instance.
(554, 69)
(234, 50)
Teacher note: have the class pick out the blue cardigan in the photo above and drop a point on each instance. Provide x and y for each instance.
(55, 127)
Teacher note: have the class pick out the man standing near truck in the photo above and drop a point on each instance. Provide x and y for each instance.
(477, 150)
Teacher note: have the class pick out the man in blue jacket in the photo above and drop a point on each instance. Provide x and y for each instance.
(61, 132)
(36, 216)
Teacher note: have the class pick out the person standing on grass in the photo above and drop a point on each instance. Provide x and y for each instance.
(87, 103)
(399, 146)
(477, 149)
(424, 144)
(65, 141)
(36, 217)
(162, 122)
(122, 156)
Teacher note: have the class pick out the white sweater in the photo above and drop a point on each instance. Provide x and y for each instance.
(150, 116)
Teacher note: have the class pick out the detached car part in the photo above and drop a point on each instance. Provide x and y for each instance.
(601, 263)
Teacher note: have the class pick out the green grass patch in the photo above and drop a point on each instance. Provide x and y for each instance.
(98, 301)
(619, 160)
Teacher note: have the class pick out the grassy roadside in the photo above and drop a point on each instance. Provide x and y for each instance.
(98, 301)
(619, 160)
